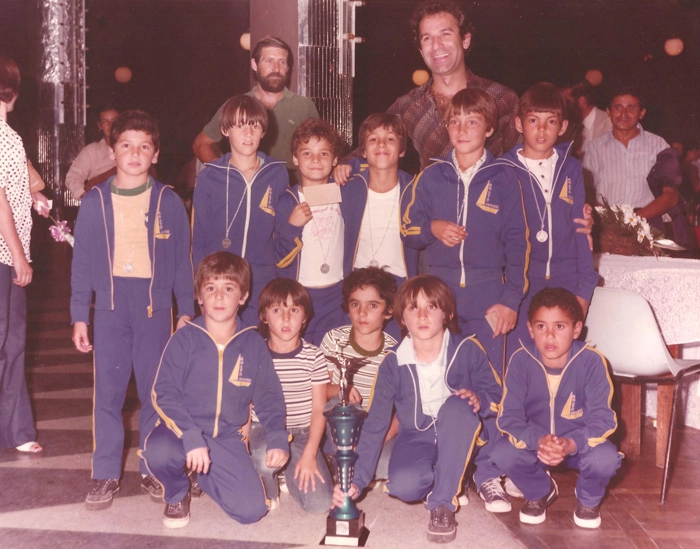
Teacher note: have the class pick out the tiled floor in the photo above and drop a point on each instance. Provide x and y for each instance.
(41, 497)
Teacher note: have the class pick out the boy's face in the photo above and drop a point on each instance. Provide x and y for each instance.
(134, 153)
(315, 159)
(220, 299)
(424, 321)
(540, 132)
(367, 310)
(244, 139)
(468, 133)
(382, 148)
(285, 321)
(553, 331)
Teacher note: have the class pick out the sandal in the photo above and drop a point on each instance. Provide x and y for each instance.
(30, 447)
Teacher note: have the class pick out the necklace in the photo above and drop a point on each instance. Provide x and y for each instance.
(226, 242)
(325, 267)
(129, 266)
(374, 262)
(541, 235)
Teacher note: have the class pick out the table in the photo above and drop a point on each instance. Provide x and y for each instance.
(672, 288)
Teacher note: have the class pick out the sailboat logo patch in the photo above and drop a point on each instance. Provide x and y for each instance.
(566, 195)
(237, 375)
(266, 202)
(484, 200)
(569, 411)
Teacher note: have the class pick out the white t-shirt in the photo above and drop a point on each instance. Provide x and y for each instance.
(380, 237)
(323, 247)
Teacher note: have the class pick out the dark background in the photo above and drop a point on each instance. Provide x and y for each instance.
(186, 58)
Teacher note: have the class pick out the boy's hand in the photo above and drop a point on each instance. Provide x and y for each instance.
(198, 460)
(80, 337)
(342, 173)
(276, 458)
(586, 224)
(551, 449)
(182, 320)
(23, 270)
(354, 396)
(339, 496)
(469, 395)
(506, 318)
(306, 472)
(450, 234)
(301, 215)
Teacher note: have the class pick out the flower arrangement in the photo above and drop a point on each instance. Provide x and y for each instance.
(60, 231)
(618, 230)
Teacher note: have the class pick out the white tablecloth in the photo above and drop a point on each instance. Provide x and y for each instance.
(670, 285)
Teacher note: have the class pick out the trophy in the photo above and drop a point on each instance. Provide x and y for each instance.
(345, 525)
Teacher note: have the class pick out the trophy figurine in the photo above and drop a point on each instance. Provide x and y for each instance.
(345, 525)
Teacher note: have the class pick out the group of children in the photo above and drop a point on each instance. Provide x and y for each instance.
(222, 403)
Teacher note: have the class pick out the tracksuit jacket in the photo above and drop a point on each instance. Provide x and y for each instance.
(565, 253)
(497, 236)
(251, 233)
(168, 245)
(580, 409)
(354, 195)
(200, 390)
(397, 386)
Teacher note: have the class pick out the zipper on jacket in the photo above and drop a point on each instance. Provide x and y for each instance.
(109, 250)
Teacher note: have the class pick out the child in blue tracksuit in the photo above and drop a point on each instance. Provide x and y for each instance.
(556, 410)
(132, 251)
(372, 204)
(211, 371)
(235, 199)
(552, 186)
(466, 211)
(441, 386)
(310, 247)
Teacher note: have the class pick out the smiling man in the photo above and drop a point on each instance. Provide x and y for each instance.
(271, 62)
(443, 35)
(621, 160)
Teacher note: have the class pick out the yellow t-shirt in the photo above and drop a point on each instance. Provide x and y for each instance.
(131, 257)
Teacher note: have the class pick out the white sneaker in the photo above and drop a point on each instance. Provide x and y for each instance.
(511, 489)
(283, 483)
(495, 498)
(273, 503)
(463, 499)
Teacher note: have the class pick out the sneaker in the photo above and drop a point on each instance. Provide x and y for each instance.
(101, 495)
(273, 503)
(283, 483)
(442, 527)
(152, 487)
(177, 515)
(494, 496)
(463, 499)
(511, 489)
(587, 517)
(534, 511)
(196, 491)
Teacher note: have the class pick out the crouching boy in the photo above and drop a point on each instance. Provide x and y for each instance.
(441, 385)
(210, 372)
(556, 410)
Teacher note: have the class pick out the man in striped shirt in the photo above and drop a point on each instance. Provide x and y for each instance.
(620, 160)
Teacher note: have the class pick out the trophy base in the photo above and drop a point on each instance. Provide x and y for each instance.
(348, 533)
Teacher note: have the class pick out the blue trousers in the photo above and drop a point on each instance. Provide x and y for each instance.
(432, 462)
(314, 501)
(596, 467)
(16, 419)
(125, 337)
(328, 313)
(231, 482)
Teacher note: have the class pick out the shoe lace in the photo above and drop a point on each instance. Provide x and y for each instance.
(441, 516)
(100, 487)
(492, 489)
(175, 507)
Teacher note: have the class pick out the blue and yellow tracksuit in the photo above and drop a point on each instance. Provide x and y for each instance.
(133, 316)
(580, 409)
(430, 455)
(203, 395)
